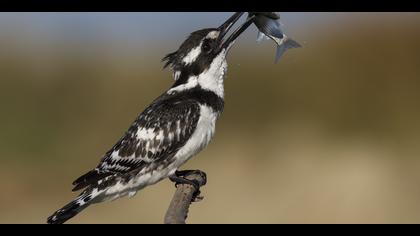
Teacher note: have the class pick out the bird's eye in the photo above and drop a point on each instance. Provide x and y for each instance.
(206, 46)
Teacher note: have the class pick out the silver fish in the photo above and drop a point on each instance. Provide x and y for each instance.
(268, 24)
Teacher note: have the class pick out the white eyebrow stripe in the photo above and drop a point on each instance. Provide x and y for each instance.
(192, 55)
(213, 35)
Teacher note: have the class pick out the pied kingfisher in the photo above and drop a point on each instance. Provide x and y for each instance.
(172, 129)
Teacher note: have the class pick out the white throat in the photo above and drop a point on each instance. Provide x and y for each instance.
(211, 79)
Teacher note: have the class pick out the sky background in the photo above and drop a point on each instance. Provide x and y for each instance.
(166, 30)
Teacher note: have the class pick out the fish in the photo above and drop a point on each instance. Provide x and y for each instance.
(269, 27)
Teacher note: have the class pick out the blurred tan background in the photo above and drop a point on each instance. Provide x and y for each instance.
(330, 134)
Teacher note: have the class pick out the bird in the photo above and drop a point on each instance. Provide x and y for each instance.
(176, 126)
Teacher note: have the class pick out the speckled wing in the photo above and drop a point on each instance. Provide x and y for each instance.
(151, 142)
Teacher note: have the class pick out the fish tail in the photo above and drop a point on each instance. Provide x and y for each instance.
(284, 46)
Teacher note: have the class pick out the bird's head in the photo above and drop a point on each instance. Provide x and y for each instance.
(202, 56)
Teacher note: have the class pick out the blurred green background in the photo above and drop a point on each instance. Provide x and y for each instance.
(330, 134)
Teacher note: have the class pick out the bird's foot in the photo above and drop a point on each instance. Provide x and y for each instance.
(181, 177)
(183, 173)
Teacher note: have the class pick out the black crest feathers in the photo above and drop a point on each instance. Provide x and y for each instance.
(169, 59)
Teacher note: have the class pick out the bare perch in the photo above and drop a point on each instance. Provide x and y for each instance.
(178, 209)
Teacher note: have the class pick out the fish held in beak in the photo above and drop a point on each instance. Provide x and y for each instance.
(268, 24)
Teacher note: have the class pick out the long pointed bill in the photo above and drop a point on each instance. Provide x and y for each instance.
(236, 33)
(225, 27)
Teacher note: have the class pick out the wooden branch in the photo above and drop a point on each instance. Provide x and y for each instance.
(178, 208)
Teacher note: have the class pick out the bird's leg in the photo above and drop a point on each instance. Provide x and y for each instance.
(180, 180)
(182, 173)
(180, 177)
(185, 173)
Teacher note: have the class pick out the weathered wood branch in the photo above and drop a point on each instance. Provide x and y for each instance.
(178, 208)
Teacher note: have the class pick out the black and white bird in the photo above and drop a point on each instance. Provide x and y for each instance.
(172, 129)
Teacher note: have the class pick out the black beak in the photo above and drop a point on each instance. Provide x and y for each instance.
(225, 27)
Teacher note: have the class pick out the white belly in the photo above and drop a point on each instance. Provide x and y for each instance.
(200, 138)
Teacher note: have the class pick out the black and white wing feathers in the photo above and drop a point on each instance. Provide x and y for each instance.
(151, 141)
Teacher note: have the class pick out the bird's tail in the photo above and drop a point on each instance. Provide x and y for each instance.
(71, 209)
(286, 45)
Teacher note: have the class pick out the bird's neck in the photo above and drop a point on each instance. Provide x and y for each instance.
(206, 88)
(200, 95)
(211, 81)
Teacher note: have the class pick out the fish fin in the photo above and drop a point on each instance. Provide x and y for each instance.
(283, 47)
(261, 36)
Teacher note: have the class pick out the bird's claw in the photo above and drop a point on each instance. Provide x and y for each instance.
(182, 173)
(196, 196)
(179, 178)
